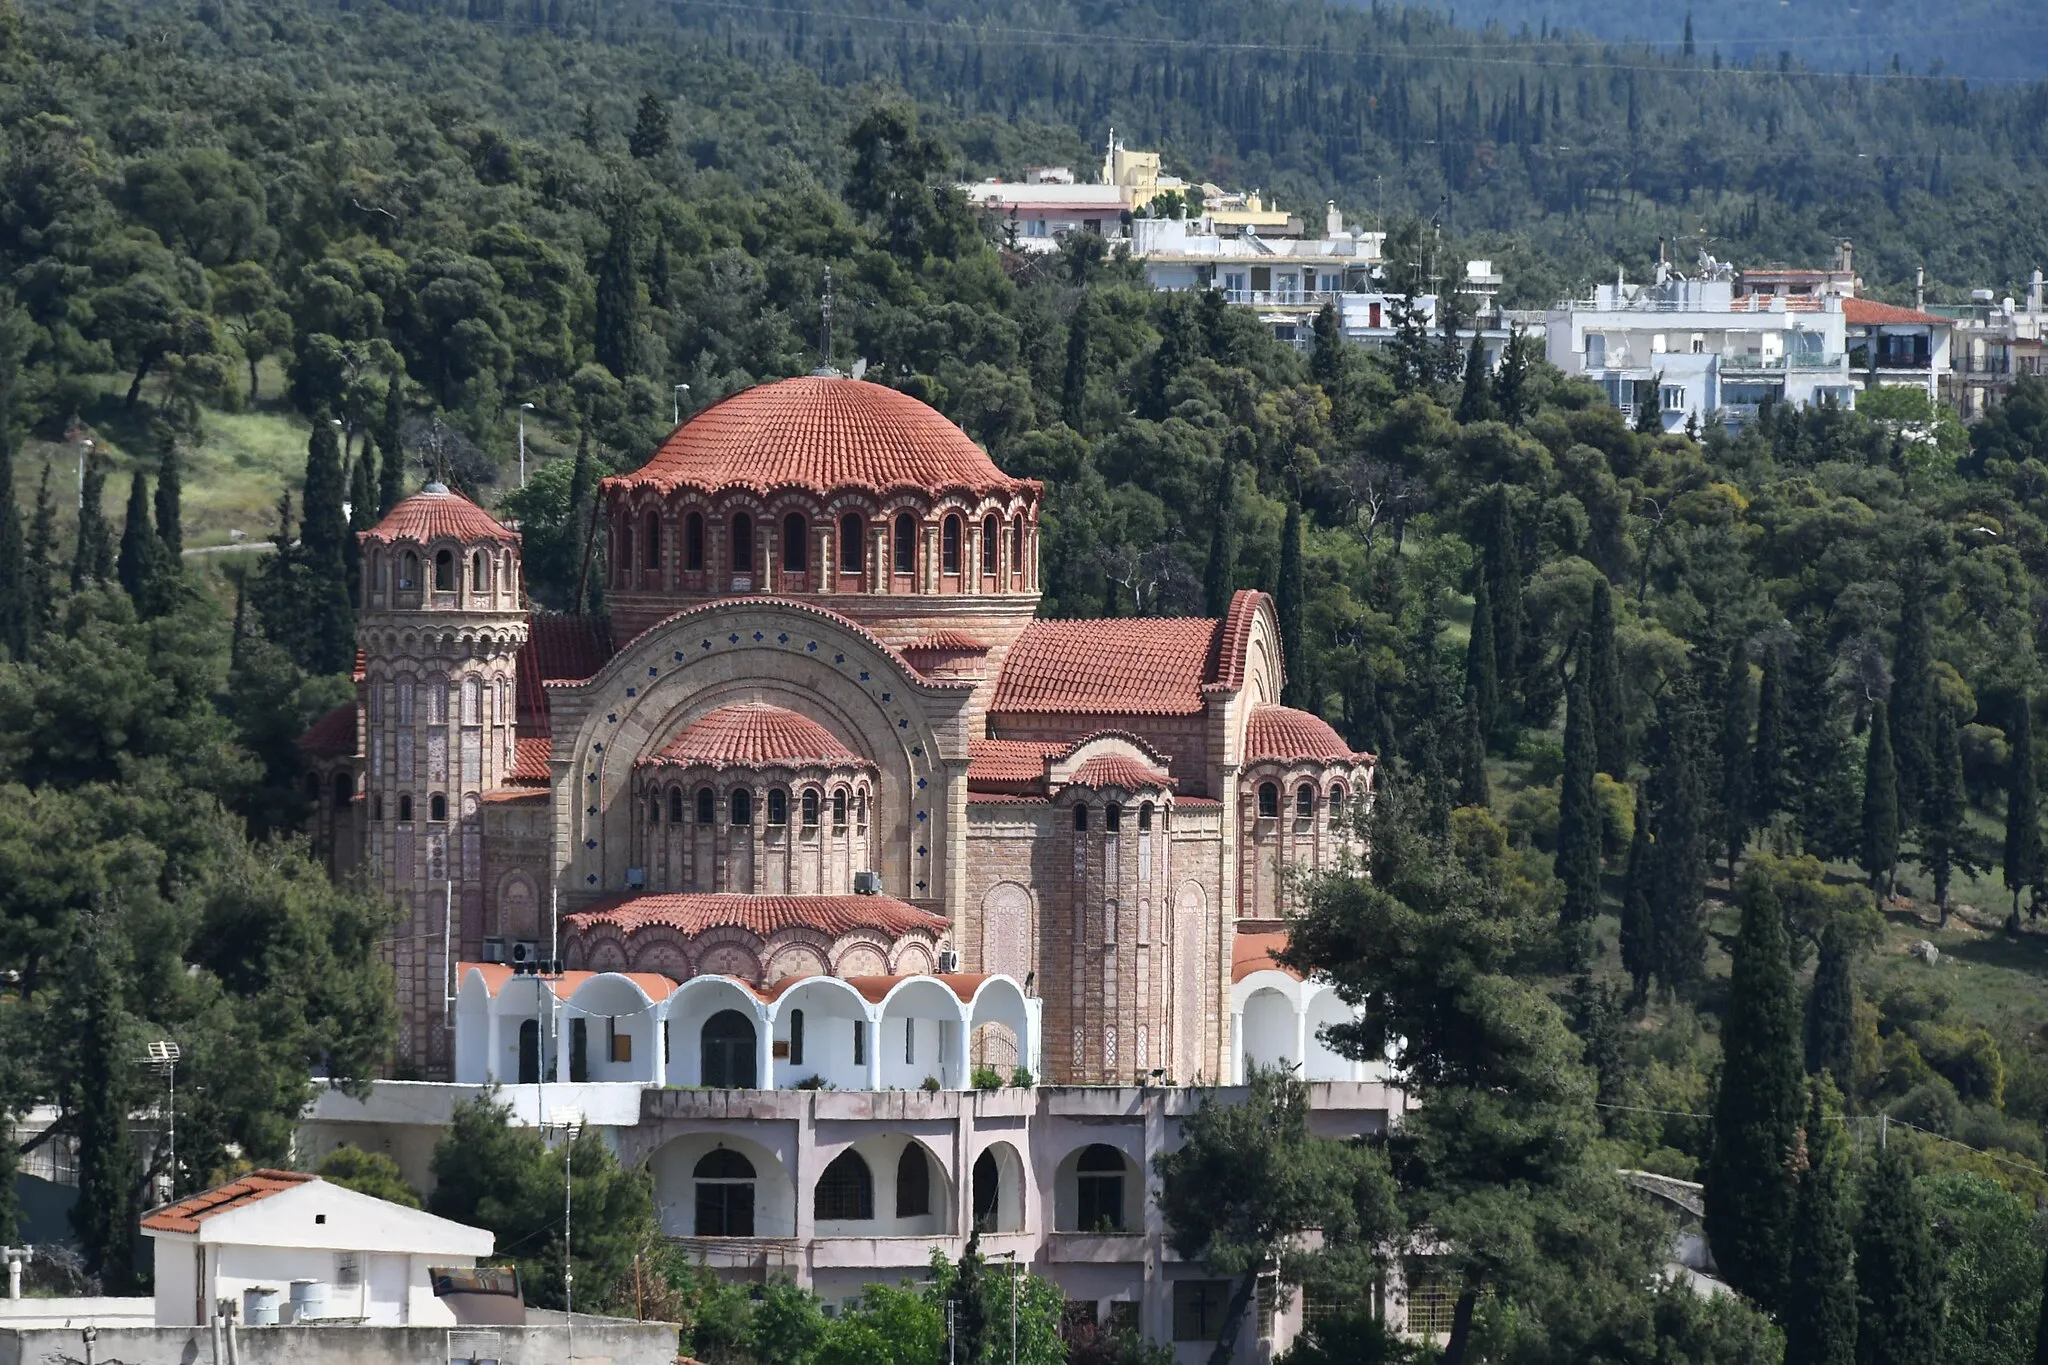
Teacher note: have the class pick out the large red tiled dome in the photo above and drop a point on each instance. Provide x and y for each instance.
(820, 433)
(753, 735)
(1281, 732)
(434, 513)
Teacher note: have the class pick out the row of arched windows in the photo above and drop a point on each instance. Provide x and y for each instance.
(648, 532)
(482, 570)
(845, 1191)
(437, 806)
(1113, 818)
(739, 804)
(1304, 799)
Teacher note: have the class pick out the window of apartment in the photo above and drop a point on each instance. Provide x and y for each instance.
(1198, 1309)
(860, 1042)
(910, 1042)
(1672, 397)
(846, 1190)
(1099, 1187)
(1432, 1301)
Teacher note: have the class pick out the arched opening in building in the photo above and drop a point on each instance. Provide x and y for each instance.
(693, 542)
(1080, 819)
(725, 1194)
(998, 1189)
(1017, 546)
(1269, 800)
(906, 543)
(437, 807)
(810, 805)
(409, 571)
(444, 571)
(726, 1051)
(742, 543)
(1113, 818)
(650, 542)
(778, 806)
(1145, 818)
(839, 809)
(949, 545)
(479, 572)
(913, 1182)
(1305, 800)
(845, 1191)
(675, 805)
(1099, 1189)
(849, 543)
(529, 1052)
(796, 1037)
(404, 808)
(344, 790)
(991, 540)
(707, 806)
(796, 545)
(742, 806)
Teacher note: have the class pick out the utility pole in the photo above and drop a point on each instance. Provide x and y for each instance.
(675, 409)
(524, 408)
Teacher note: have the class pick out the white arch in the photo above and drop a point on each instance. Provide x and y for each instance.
(693, 1004)
(921, 1031)
(622, 1027)
(831, 1009)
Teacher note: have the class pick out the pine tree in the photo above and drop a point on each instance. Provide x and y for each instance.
(1831, 1012)
(93, 556)
(14, 603)
(1610, 727)
(1820, 1298)
(1880, 851)
(1735, 756)
(1677, 812)
(390, 443)
(1475, 404)
(1578, 810)
(1768, 774)
(170, 504)
(1219, 577)
(1473, 788)
(1482, 681)
(650, 135)
(39, 564)
(1898, 1275)
(1748, 1183)
(1289, 604)
(616, 330)
(1326, 361)
(140, 564)
(1638, 928)
(1944, 842)
(1913, 698)
(2023, 851)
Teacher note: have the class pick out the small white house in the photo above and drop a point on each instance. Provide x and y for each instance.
(366, 1258)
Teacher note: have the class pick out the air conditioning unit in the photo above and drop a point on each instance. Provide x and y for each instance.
(949, 962)
(636, 877)
(525, 953)
(494, 949)
(867, 883)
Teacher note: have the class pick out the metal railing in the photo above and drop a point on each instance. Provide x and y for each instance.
(1294, 298)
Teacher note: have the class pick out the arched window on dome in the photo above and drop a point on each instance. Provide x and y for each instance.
(675, 805)
(796, 543)
(650, 547)
(1080, 819)
(479, 572)
(654, 809)
(1017, 546)
(1337, 797)
(344, 790)
(693, 542)
(437, 808)
(991, 540)
(742, 806)
(906, 543)
(742, 543)
(625, 551)
(949, 545)
(444, 571)
(506, 583)
(1305, 800)
(404, 808)
(839, 809)
(810, 807)
(409, 571)
(778, 806)
(1269, 800)
(707, 806)
(1145, 818)
(860, 813)
(851, 529)
(1113, 818)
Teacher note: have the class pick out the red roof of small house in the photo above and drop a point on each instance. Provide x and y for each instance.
(761, 915)
(1152, 666)
(1254, 953)
(435, 513)
(1870, 313)
(187, 1214)
(333, 735)
(755, 735)
(1114, 770)
(1281, 732)
(557, 649)
(821, 433)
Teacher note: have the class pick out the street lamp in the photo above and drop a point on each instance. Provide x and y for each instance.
(160, 1058)
(524, 408)
(571, 1120)
(676, 405)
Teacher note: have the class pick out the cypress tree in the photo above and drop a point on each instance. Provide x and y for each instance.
(2041, 1325)
(362, 500)
(170, 504)
(1482, 680)
(1898, 1278)
(1677, 882)
(1913, 698)
(1943, 841)
(1610, 728)
(139, 565)
(1820, 1299)
(1475, 404)
(1326, 361)
(93, 555)
(2023, 852)
(650, 135)
(660, 273)
(1503, 565)
(1074, 380)
(1735, 756)
(105, 1215)
(391, 447)
(1219, 576)
(1638, 928)
(1768, 773)
(14, 603)
(323, 524)
(1880, 851)
(583, 528)
(39, 565)
(1578, 810)
(970, 1306)
(1473, 789)
(1819, 750)
(616, 328)
(1831, 1012)
(1748, 1182)
(323, 528)
(1289, 604)
(1511, 380)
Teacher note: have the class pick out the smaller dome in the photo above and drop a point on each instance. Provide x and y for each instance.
(434, 513)
(755, 735)
(1114, 770)
(1283, 733)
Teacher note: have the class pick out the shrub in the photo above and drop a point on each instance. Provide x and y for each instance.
(987, 1078)
(931, 1085)
(1021, 1078)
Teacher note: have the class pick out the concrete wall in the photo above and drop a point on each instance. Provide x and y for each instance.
(597, 1341)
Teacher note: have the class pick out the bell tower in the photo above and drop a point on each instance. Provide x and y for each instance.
(439, 635)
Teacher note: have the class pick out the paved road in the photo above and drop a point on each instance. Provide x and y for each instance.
(235, 548)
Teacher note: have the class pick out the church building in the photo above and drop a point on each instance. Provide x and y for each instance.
(823, 733)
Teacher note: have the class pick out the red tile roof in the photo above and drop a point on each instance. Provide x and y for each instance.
(760, 915)
(753, 735)
(1281, 732)
(530, 761)
(557, 649)
(333, 735)
(875, 988)
(1153, 666)
(434, 513)
(1870, 313)
(187, 1214)
(820, 433)
(995, 762)
(1254, 953)
(1114, 770)
(497, 975)
(947, 641)
(1236, 634)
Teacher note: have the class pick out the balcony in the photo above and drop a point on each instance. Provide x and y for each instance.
(760, 1258)
(1280, 298)
(1755, 362)
(1097, 1248)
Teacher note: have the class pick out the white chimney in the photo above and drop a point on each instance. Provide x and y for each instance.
(1920, 287)
(2034, 292)
(1333, 221)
